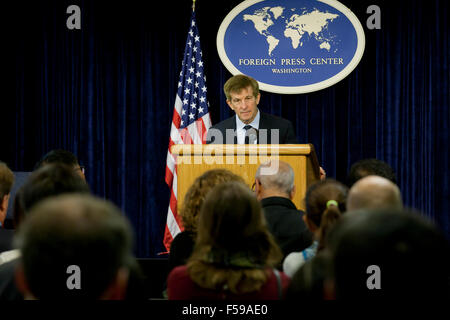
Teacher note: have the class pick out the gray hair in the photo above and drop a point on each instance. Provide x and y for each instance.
(281, 180)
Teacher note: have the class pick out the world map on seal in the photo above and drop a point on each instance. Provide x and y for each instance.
(297, 26)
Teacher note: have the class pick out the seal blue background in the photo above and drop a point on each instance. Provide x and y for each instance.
(242, 40)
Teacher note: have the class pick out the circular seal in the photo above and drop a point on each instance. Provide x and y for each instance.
(291, 46)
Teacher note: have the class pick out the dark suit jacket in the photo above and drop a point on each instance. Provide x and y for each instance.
(6, 239)
(266, 121)
(286, 224)
(8, 288)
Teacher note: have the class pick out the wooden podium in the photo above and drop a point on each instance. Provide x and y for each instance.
(194, 160)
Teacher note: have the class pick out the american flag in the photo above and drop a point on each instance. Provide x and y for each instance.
(190, 122)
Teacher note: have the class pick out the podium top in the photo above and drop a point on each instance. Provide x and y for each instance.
(242, 149)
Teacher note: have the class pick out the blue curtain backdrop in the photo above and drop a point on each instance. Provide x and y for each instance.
(106, 92)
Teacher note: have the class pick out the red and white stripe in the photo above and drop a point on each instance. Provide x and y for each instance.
(193, 134)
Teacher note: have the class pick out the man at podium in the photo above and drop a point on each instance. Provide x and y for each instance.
(249, 125)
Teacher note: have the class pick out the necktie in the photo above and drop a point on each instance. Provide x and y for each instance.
(251, 134)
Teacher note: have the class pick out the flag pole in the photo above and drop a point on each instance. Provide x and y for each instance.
(193, 5)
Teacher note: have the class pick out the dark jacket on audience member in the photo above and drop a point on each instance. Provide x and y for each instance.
(6, 237)
(8, 288)
(10, 292)
(286, 224)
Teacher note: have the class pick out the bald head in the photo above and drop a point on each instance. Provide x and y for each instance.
(374, 192)
(275, 178)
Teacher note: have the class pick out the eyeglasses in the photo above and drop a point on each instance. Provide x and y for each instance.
(253, 186)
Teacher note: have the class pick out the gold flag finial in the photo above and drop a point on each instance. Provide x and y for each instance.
(193, 5)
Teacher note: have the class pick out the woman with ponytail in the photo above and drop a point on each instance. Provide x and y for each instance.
(325, 203)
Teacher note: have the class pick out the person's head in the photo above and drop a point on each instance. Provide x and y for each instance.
(64, 157)
(74, 247)
(6, 183)
(231, 219)
(388, 254)
(274, 178)
(325, 203)
(50, 180)
(232, 235)
(243, 96)
(196, 194)
(367, 167)
(374, 192)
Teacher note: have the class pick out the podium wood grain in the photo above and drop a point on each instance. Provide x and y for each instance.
(194, 160)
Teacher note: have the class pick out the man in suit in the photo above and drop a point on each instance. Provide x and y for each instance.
(276, 190)
(249, 125)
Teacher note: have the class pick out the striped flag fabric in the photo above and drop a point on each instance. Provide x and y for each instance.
(190, 122)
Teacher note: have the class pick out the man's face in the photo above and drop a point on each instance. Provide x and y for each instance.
(245, 104)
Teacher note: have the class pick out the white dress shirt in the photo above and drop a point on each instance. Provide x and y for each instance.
(240, 131)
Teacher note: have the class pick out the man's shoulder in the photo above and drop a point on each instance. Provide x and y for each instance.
(279, 202)
(229, 123)
(282, 209)
(272, 117)
(286, 133)
(218, 132)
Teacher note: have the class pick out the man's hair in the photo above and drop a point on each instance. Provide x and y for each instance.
(412, 255)
(58, 156)
(367, 167)
(282, 180)
(196, 194)
(238, 82)
(6, 180)
(50, 180)
(73, 230)
(233, 245)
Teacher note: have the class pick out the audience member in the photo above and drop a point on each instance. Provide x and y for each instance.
(325, 202)
(374, 192)
(74, 247)
(234, 255)
(48, 181)
(183, 243)
(388, 254)
(367, 167)
(63, 157)
(6, 183)
(276, 190)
